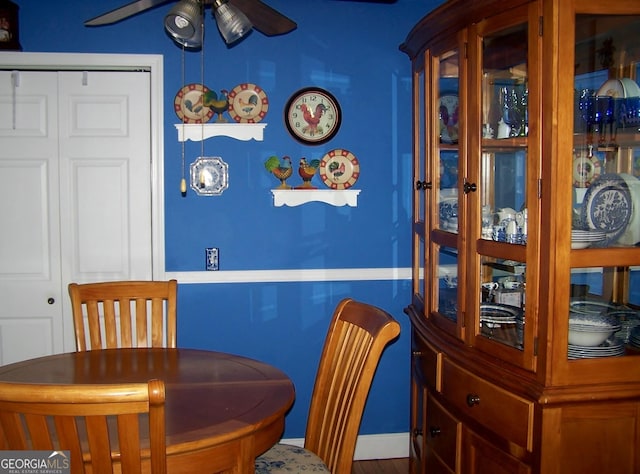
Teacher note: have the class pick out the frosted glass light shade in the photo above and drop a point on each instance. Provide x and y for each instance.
(184, 23)
(232, 23)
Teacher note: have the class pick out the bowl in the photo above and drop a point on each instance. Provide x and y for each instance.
(591, 329)
(589, 337)
(619, 88)
(611, 88)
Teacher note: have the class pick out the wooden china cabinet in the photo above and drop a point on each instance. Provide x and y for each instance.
(526, 119)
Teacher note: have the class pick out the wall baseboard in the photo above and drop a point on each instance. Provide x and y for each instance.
(377, 446)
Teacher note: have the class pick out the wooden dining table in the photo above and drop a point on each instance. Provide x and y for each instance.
(222, 410)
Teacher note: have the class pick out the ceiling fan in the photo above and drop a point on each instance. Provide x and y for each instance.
(235, 18)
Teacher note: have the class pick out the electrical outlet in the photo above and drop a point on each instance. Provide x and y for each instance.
(212, 258)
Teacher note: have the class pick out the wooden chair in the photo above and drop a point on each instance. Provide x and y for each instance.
(357, 335)
(124, 314)
(90, 421)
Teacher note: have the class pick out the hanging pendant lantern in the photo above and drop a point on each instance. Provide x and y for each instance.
(9, 36)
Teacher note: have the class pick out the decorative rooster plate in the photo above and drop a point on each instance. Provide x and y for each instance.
(189, 104)
(248, 103)
(339, 169)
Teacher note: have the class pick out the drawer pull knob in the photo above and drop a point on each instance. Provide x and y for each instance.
(435, 431)
(473, 399)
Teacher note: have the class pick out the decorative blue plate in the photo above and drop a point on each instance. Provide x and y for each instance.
(448, 208)
(209, 176)
(607, 206)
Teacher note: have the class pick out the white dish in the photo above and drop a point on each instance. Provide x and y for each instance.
(630, 87)
(631, 235)
(607, 207)
(576, 245)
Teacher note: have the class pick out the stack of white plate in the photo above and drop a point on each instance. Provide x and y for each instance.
(634, 337)
(581, 239)
(612, 347)
(500, 313)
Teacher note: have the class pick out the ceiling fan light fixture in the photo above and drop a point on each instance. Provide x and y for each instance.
(232, 23)
(184, 23)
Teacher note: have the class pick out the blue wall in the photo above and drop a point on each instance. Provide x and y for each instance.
(349, 48)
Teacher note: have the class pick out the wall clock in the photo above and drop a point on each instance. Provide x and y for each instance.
(312, 116)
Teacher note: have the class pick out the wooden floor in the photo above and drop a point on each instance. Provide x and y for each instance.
(381, 466)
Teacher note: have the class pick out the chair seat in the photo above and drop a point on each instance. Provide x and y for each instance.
(284, 458)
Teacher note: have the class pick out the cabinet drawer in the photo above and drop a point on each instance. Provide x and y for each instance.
(443, 435)
(428, 363)
(504, 413)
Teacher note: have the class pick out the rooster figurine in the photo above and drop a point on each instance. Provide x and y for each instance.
(306, 170)
(313, 119)
(280, 169)
(218, 104)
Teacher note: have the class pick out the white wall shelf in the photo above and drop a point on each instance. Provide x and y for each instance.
(241, 131)
(297, 197)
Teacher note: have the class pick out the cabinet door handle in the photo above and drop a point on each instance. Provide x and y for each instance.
(417, 432)
(468, 187)
(51, 300)
(435, 431)
(423, 185)
(473, 399)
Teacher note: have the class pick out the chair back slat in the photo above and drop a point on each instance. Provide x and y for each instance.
(124, 314)
(357, 336)
(100, 425)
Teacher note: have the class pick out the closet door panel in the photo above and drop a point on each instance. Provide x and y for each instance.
(30, 285)
(105, 160)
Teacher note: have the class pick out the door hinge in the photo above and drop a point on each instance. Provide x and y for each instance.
(539, 188)
(540, 26)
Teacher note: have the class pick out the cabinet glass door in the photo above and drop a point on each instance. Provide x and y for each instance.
(604, 302)
(420, 186)
(503, 198)
(447, 219)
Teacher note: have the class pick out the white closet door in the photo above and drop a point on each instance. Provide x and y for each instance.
(75, 197)
(30, 286)
(105, 176)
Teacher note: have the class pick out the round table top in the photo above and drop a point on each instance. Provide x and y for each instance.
(211, 397)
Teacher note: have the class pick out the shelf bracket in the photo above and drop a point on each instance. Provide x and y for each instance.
(240, 131)
(297, 197)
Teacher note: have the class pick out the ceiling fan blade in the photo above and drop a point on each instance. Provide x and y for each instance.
(264, 18)
(125, 11)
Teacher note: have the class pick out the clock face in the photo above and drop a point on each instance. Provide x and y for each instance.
(312, 116)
